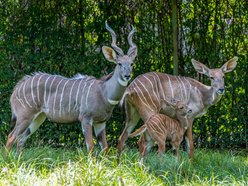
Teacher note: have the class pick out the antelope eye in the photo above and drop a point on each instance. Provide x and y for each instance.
(120, 64)
(212, 78)
(181, 108)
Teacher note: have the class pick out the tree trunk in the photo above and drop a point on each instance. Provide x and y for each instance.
(175, 36)
(81, 23)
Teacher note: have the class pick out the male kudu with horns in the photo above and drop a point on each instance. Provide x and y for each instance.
(142, 97)
(64, 100)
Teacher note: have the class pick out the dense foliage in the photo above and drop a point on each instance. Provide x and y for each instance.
(65, 37)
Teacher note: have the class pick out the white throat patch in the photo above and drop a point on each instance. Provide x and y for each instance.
(122, 83)
(113, 102)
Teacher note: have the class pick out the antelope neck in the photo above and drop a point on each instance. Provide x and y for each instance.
(114, 88)
(211, 96)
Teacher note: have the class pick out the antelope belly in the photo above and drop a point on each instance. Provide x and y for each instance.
(64, 117)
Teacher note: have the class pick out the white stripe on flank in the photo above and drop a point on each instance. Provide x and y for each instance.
(160, 85)
(19, 90)
(21, 101)
(23, 91)
(55, 96)
(155, 127)
(164, 123)
(32, 90)
(61, 97)
(172, 91)
(159, 128)
(50, 87)
(148, 106)
(158, 118)
(88, 93)
(44, 98)
(181, 95)
(190, 86)
(184, 88)
(83, 94)
(158, 122)
(38, 86)
(152, 88)
(76, 103)
(147, 93)
(18, 95)
(155, 82)
(189, 92)
(69, 109)
(141, 98)
(151, 121)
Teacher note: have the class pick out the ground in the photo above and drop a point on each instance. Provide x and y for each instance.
(63, 166)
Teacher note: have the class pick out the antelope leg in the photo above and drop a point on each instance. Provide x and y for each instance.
(88, 135)
(189, 142)
(132, 118)
(38, 119)
(100, 133)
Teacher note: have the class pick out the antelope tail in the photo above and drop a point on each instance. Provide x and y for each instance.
(13, 120)
(138, 132)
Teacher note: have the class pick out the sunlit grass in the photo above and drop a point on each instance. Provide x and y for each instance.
(50, 166)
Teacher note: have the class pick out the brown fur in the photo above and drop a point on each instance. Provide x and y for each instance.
(142, 98)
(160, 128)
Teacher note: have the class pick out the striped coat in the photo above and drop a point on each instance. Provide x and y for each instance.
(160, 128)
(146, 91)
(60, 98)
(65, 100)
(143, 95)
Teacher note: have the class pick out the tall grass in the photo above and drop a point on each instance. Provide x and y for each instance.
(50, 166)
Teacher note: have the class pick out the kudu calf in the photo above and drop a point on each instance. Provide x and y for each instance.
(142, 97)
(64, 100)
(161, 128)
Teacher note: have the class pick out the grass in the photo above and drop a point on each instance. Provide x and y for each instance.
(50, 166)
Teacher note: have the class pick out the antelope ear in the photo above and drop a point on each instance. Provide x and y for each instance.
(200, 68)
(133, 53)
(169, 102)
(230, 65)
(109, 54)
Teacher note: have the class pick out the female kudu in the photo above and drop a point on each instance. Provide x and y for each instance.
(142, 97)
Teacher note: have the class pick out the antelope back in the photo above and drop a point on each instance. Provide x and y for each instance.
(146, 91)
(57, 96)
(160, 125)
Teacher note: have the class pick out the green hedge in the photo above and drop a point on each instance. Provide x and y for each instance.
(65, 37)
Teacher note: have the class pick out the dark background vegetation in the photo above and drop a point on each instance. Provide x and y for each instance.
(65, 37)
